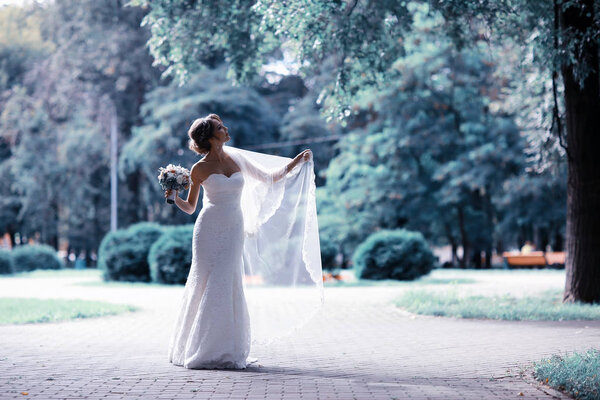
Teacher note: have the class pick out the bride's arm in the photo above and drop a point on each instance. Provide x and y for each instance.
(189, 205)
(279, 174)
(301, 157)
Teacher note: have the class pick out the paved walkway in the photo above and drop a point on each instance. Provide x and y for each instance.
(358, 347)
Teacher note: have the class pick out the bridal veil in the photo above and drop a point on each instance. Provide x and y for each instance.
(282, 258)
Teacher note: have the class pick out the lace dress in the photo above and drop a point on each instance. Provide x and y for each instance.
(213, 327)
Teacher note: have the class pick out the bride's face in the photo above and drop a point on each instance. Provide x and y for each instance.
(221, 133)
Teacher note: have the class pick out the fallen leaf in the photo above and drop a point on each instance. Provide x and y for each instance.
(521, 394)
(24, 393)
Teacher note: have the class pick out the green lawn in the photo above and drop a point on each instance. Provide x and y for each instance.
(578, 374)
(390, 282)
(56, 273)
(23, 310)
(547, 306)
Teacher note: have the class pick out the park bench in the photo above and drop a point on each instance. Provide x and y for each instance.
(534, 259)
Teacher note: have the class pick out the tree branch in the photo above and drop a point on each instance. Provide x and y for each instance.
(350, 8)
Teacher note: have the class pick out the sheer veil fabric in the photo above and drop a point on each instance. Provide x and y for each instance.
(281, 253)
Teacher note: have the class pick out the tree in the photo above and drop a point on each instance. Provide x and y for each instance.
(21, 45)
(433, 156)
(84, 184)
(35, 175)
(60, 61)
(102, 47)
(367, 37)
(567, 41)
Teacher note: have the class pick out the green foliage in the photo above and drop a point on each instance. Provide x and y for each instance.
(533, 205)
(123, 254)
(388, 254)
(27, 311)
(94, 58)
(21, 43)
(32, 257)
(100, 64)
(6, 263)
(432, 156)
(575, 373)
(146, 232)
(25, 124)
(187, 36)
(102, 45)
(170, 257)
(546, 307)
(362, 37)
(303, 122)
(85, 183)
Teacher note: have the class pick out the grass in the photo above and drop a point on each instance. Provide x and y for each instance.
(547, 306)
(391, 282)
(456, 276)
(56, 273)
(578, 374)
(122, 284)
(80, 273)
(24, 311)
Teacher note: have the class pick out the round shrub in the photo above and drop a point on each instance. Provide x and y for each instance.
(35, 256)
(328, 253)
(393, 254)
(6, 266)
(170, 256)
(123, 254)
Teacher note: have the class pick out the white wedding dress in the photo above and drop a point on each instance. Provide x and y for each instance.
(213, 327)
(260, 221)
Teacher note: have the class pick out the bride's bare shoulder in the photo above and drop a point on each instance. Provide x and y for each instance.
(200, 171)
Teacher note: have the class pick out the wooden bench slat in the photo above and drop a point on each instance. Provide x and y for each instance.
(535, 258)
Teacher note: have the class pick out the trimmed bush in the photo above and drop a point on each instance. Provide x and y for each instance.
(170, 256)
(328, 253)
(393, 254)
(6, 266)
(35, 256)
(123, 254)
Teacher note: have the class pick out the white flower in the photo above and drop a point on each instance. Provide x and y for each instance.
(180, 179)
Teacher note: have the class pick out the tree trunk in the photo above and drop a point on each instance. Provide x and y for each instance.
(490, 213)
(488, 257)
(558, 245)
(463, 237)
(452, 242)
(476, 258)
(12, 233)
(582, 108)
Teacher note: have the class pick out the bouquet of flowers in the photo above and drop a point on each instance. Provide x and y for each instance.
(173, 177)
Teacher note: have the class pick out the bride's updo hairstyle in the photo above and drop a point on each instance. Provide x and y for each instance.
(200, 132)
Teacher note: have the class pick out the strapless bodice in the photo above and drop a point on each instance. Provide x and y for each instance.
(221, 189)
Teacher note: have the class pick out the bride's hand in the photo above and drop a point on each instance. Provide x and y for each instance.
(305, 155)
(169, 191)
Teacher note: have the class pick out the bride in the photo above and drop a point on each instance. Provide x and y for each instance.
(240, 197)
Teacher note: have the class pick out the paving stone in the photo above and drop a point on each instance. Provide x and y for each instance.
(360, 346)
